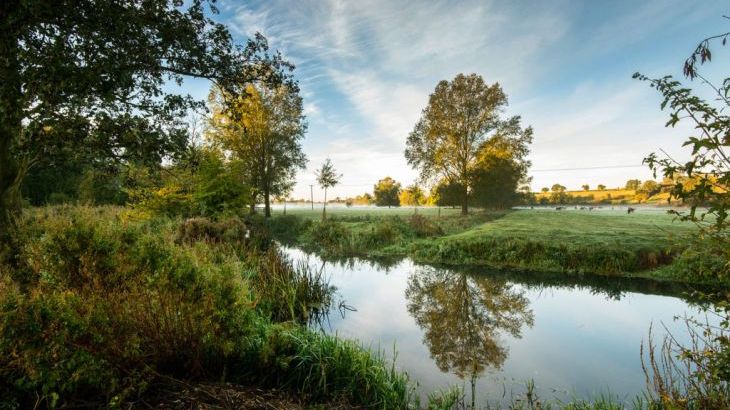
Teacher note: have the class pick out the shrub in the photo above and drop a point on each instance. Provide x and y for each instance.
(424, 227)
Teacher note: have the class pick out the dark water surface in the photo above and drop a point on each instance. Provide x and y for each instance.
(495, 330)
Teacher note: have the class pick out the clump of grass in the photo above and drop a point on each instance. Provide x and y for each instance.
(289, 292)
(424, 227)
(321, 366)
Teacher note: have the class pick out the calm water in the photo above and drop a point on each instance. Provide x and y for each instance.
(499, 330)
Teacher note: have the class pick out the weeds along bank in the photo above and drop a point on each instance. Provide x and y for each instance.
(612, 243)
(101, 311)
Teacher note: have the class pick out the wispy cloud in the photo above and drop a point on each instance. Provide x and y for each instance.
(366, 69)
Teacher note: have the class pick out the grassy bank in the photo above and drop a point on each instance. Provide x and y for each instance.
(647, 243)
(102, 311)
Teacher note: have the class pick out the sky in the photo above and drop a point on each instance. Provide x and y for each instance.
(366, 69)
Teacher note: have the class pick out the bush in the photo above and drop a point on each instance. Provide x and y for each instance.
(105, 308)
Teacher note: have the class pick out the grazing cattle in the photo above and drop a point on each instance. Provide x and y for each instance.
(559, 208)
(590, 208)
(630, 210)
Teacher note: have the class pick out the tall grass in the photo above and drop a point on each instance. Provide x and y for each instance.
(103, 308)
(688, 376)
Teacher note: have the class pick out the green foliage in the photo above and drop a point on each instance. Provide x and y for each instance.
(219, 187)
(447, 193)
(104, 309)
(321, 367)
(633, 184)
(462, 118)
(56, 99)
(688, 376)
(387, 192)
(327, 177)
(101, 308)
(424, 227)
(262, 127)
(702, 182)
(495, 183)
(412, 196)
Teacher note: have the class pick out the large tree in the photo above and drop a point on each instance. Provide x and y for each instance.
(461, 116)
(387, 192)
(262, 128)
(91, 75)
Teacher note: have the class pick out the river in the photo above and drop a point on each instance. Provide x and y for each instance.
(492, 332)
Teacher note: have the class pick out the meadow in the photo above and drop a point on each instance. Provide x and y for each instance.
(648, 243)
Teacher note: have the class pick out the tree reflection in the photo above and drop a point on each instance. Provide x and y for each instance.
(463, 317)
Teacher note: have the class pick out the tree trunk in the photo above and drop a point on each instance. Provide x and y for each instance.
(324, 206)
(465, 202)
(267, 203)
(11, 114)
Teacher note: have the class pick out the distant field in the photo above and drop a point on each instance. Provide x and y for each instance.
(616, 195)
(306, 211)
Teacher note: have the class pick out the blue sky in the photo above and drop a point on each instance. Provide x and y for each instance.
(366, 69)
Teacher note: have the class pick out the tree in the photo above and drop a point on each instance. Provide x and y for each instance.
(633, 184)
(650, 188)
(545, 189)
(387, 192)
(327, 177)
(586, 187)
(262, 128)
(601, 187)
(412, 196)
(558, 195)
(460, 117)
(90, 76)
(447, 193)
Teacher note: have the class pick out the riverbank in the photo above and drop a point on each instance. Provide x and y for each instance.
(647, 243)
(99, 309)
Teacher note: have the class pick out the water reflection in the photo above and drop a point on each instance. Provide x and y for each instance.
(573, 335)
(463, 317)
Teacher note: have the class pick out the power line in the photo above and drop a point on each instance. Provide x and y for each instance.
(587, 168)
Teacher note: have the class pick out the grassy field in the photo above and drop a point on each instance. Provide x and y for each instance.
(599, 228)
(571, 241)
(305, 211)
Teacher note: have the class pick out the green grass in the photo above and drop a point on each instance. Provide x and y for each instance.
(594, 228)
(339, 211)
(570, 241)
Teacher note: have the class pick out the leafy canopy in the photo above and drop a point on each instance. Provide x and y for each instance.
(387, 192)
(262, 128)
